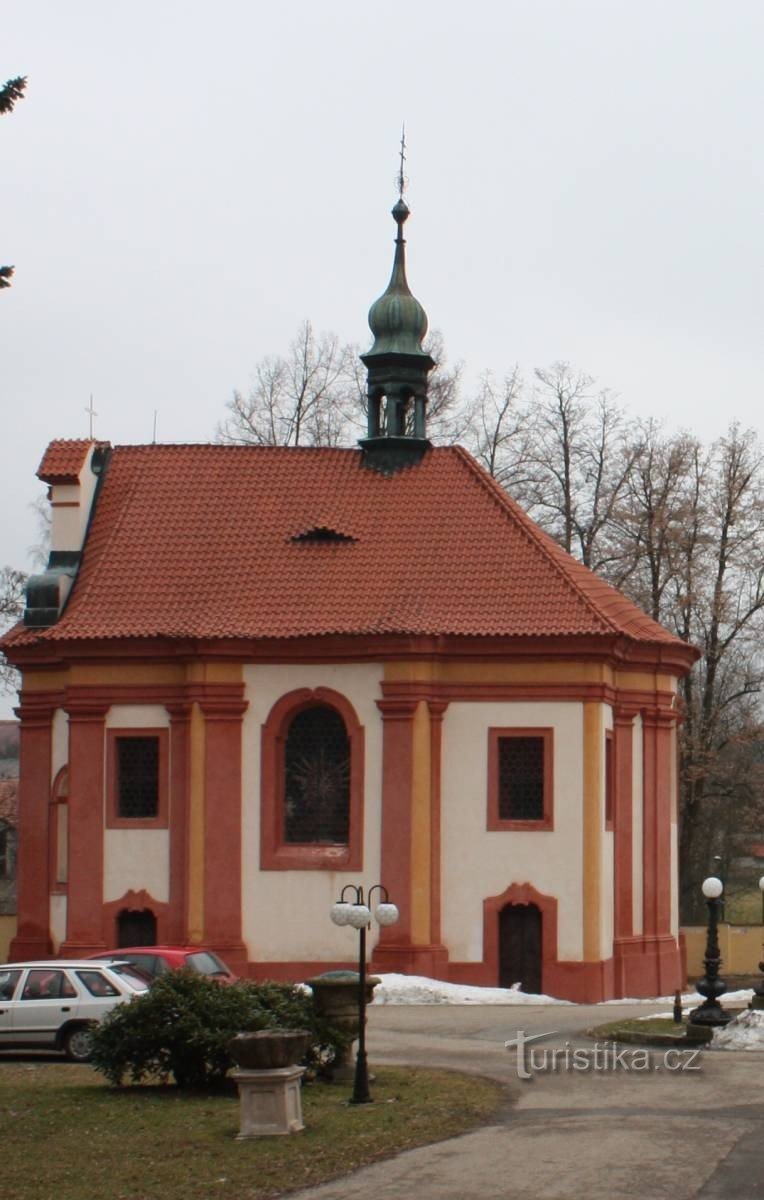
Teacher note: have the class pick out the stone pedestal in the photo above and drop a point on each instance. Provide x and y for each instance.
(269, 1101)
(336, 997)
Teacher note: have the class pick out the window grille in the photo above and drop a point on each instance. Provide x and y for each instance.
(317, 778)
(138, 777)
(521, 778)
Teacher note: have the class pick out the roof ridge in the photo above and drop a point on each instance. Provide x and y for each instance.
(541, 538)
(231, 446)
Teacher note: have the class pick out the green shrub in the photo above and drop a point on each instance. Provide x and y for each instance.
(180, 1029)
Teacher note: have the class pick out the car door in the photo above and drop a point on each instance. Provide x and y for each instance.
(48, 999)
(9, 980)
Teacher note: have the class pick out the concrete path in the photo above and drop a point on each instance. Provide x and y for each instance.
(570, 1134)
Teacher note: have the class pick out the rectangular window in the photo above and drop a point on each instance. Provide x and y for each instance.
(520, 779)
(137, 778)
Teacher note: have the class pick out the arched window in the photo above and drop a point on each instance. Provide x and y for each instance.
(312, 783)
(317, 777)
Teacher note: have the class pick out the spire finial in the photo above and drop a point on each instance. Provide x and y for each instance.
(402, 181)
(397, 364)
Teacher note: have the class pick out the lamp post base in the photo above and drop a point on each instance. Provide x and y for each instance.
(361, 1093)
(710, 1014)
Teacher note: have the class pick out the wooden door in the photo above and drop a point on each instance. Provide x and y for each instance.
(520, 947)
(136, 927)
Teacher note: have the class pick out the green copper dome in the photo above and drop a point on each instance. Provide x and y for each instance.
(397, 319)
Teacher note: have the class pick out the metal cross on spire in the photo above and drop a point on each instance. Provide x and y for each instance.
(402, 181)
(91, 413)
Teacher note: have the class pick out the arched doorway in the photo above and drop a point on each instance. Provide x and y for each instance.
(520, 947)
(136, 927)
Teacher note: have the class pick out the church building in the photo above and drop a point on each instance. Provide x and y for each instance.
(252, 675)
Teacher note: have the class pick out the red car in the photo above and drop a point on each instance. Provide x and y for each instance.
(153, 961)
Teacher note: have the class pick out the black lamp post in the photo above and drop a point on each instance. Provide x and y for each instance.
(710, 1012)
(358, 915)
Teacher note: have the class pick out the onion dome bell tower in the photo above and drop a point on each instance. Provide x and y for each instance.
(397, 367)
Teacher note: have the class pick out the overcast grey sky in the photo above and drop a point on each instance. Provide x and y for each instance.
(185, 182)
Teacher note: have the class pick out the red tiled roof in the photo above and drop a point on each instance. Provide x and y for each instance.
(204, 541)
(63, 460)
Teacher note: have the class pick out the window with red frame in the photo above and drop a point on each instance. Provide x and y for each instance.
(317, 778)
(520, 789)
(137, 778)
(311, 783)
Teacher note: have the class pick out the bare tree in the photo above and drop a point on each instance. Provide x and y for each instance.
(12, 584)
(39, 552)
(315, 395)
(658, 504)
(300, 399)
(722, 605)
(498, 431)
(575, 462)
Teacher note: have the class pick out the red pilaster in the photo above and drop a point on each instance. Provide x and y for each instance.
(180, 726)
(657, 823)
(222, 827)
(658, 941)
(623, 928)
(84, 909)
(33, 937)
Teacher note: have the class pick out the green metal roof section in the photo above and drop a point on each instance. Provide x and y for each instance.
(397, 319)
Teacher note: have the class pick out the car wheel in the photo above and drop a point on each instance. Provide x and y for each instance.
(78, 1044)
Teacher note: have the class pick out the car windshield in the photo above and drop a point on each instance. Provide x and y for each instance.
(207, 963)
(130, 976)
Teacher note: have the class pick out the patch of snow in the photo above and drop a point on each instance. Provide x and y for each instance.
(417, 989)
(744, 1032)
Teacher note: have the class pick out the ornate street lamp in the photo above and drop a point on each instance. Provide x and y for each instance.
(358, 915)
(710, 1012)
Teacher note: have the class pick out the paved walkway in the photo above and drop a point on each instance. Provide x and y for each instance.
(569, 1135)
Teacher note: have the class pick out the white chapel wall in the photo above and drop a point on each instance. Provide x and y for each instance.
(136, 859)
(60, 743)
(57, 918)
(477, 863)
(286, 913)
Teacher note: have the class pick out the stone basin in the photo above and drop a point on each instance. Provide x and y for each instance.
(269, 1049)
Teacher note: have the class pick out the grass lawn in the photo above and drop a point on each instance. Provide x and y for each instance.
(67, 1134)
(640, 1026)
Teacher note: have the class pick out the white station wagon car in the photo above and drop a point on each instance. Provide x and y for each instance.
(52, 1005)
